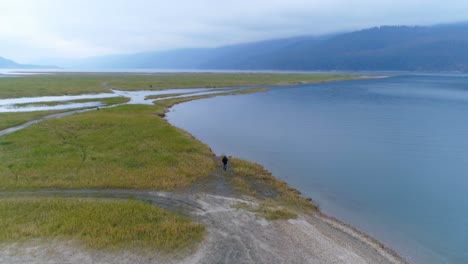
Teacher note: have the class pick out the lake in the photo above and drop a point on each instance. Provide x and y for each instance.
(388, 156)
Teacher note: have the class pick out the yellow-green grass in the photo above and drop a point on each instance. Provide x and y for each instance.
(173, 101)
(272, 213)
(254, 180)
(83, 83)
(14, 119)
(127, 146)
(104, 101)
(97, 224)
(268, 210)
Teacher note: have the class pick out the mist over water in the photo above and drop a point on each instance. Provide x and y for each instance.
(389, 156)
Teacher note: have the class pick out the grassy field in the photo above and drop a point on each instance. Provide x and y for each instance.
(72, 84)
(57, 84)
(212, 80)
(97, 224)
(127, 146)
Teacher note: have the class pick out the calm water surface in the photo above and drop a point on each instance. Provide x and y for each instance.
(389, 156)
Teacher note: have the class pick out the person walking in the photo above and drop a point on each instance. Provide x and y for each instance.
(225, 161)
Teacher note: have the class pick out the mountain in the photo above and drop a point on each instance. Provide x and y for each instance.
(412, 48)
(440, 48)
(9, 64)
(189, 58)
(5, 63)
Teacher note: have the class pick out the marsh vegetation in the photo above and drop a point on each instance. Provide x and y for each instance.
(97, 224)
(123, 147)
(75, 84)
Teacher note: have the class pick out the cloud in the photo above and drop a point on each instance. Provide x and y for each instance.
(33, 29)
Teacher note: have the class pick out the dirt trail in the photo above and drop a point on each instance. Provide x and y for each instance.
(35, 121)
(234, 235)
(238, 236)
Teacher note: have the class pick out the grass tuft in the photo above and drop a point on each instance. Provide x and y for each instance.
(268, 210)
(278, 213)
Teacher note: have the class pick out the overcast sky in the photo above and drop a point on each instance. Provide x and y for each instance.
(31, 30)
